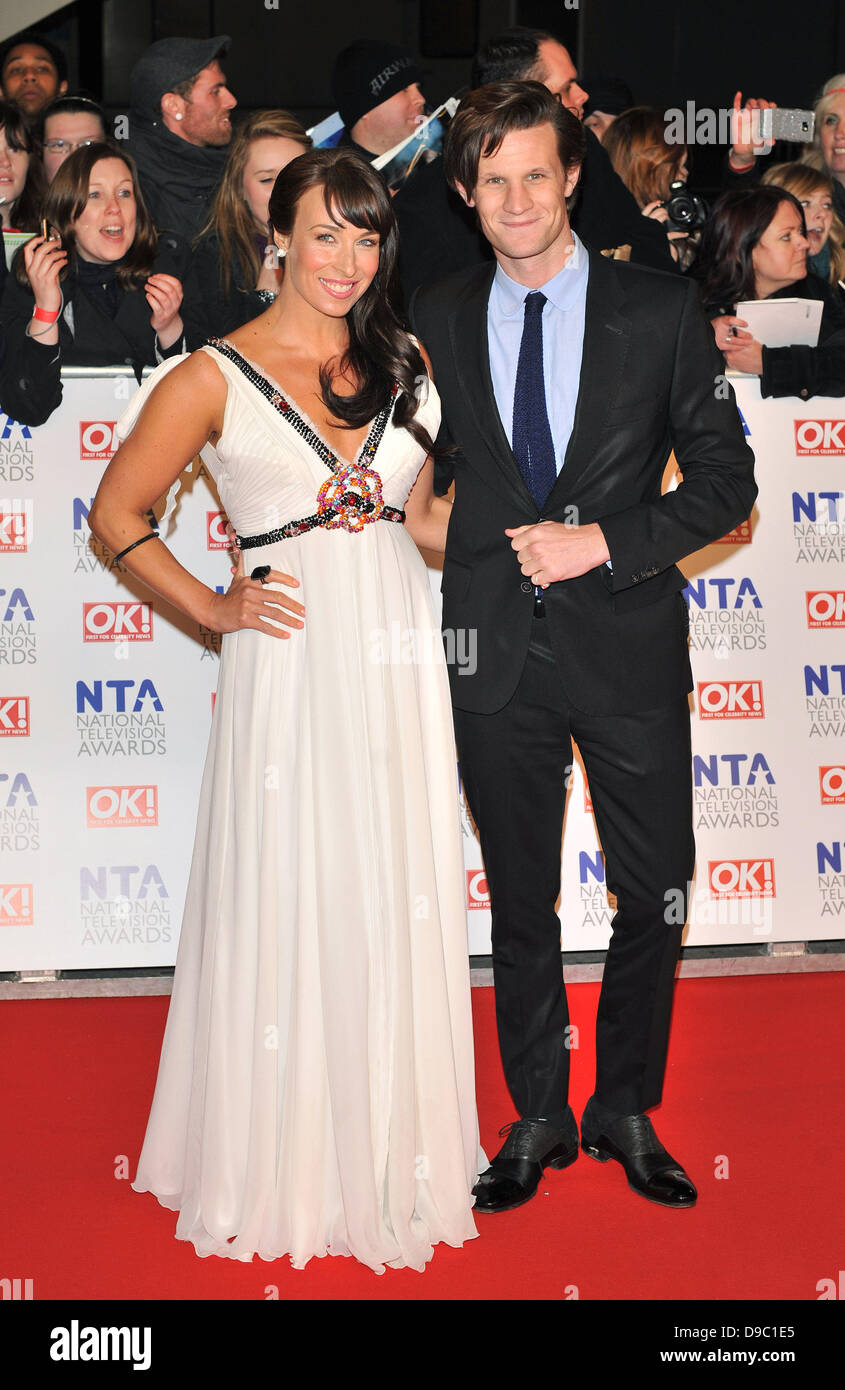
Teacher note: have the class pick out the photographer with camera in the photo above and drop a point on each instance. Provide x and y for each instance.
(655, 173)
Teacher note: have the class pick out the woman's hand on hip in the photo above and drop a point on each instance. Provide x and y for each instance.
(249, 603)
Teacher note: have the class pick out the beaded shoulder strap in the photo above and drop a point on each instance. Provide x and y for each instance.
(292, 415)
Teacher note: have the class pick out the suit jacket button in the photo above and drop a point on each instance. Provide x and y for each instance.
(526, 587)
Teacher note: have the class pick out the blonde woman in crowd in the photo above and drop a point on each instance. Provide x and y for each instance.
(825, 232)
(237, 276)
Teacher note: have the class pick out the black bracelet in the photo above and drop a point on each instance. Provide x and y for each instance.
(150, 536)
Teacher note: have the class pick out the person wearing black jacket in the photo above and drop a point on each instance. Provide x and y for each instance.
(104, 289)
(179, 129)
(755, 247)
(569, 645)
(17, 363)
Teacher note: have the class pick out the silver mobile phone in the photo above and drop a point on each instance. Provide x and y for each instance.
(786, 123)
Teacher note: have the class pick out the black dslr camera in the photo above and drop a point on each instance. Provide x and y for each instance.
(686, 210)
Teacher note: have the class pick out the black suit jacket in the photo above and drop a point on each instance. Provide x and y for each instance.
(650, 382)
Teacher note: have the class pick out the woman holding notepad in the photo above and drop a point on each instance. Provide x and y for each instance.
(754, 248)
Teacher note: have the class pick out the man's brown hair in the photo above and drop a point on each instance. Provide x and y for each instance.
(487, 114)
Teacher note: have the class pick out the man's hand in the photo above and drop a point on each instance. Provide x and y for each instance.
(549, 551)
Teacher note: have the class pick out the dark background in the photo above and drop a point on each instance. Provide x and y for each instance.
(282, 50)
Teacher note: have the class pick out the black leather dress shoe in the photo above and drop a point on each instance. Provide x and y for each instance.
(631, 1140)
(514, 1174)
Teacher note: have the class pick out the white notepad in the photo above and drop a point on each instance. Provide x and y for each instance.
(782, 322)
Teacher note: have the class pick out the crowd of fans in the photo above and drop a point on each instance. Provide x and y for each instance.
(132, 244)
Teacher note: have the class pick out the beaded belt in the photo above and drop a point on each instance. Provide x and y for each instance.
(352, 506)
(351, 497)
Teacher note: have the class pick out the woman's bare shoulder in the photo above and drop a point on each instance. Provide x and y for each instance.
(197, 376)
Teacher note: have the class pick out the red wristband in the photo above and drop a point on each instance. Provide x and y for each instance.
(46, 315)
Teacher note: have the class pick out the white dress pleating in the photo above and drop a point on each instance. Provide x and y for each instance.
(315, 1093)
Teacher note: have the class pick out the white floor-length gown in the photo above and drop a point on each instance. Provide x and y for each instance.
(315, 1092)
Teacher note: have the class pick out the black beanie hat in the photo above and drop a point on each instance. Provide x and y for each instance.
(609, 94)
(368, 73)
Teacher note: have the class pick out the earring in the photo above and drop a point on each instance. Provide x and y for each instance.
(178, 115)
(282, 252)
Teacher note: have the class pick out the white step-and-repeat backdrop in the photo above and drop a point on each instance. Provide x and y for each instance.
(106, 699)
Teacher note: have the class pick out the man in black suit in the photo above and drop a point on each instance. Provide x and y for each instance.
(562, 407)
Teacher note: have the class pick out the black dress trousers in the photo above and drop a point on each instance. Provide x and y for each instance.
(515, 765)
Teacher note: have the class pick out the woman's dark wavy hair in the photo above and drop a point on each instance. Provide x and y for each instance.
(380, 350)
(739, 218)
(65, 201)
(26, 209)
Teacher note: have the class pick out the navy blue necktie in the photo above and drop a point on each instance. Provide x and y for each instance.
(533, 445)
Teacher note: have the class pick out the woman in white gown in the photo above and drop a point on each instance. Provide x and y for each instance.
(315, 1092)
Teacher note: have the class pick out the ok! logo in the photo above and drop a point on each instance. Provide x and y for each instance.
(97, 439)
(825, 607)
(14, 716)
(121, 806)
(15, 904)
(730, 700)
(215, 531)
(741, 878)
(112, 622)
(478, 894)
(832, 786)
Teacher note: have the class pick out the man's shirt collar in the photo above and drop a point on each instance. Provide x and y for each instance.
(561, 291)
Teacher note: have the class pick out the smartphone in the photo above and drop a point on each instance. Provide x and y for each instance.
(786, 123)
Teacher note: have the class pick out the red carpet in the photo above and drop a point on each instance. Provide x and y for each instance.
(753, 1091)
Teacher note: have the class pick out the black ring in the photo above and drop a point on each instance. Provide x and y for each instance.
(260, 573)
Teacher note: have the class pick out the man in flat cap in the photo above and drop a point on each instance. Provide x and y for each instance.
(179, 128)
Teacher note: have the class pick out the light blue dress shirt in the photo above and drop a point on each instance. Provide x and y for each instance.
(563, 342)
